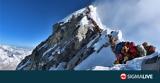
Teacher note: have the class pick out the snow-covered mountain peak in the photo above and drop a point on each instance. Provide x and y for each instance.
(90, 11)
(78, 42)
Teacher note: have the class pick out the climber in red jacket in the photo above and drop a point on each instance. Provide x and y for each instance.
(127, 52)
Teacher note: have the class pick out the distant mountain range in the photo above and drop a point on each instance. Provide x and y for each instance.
(10, 56)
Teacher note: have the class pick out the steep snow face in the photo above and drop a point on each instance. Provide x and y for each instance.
(103, 55)
(10, 56)
(104, 58)
(79, 42)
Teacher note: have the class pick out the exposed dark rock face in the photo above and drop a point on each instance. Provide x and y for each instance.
(75, 39)
(67, 44)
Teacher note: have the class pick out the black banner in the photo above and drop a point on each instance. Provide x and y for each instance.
(78, 76)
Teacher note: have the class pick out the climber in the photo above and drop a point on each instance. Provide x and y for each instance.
(113, 38)
(149, 48)
(125, 51)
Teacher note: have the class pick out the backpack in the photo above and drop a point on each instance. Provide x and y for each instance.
(150, 50)
(133, 52)
(118, 47)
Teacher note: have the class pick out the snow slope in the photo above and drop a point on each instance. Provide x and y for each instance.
(104, 59)
(57, 54)
(103, 56)
(134, 64)
(10, 56)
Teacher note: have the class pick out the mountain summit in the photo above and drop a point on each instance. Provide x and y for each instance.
(79, 42)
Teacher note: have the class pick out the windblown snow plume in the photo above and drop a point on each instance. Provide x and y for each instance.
(10, 56)
(139, 20)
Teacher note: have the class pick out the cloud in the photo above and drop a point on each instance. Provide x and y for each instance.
(139, 20)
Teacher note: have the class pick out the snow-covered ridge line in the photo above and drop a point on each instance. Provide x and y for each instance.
(93, 14)
(134, 64)
(67, 18)
(79, 42)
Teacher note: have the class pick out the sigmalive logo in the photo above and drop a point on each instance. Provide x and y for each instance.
(125, 76)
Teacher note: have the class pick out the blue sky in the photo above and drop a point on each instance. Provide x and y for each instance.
(28, 22)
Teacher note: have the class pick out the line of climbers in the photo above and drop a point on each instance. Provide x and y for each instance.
(126, 50)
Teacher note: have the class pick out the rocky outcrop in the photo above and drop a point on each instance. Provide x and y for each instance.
(67, 45)
(81, 42)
